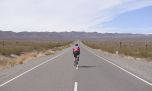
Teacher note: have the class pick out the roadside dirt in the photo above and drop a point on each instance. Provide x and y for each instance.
(12, 60)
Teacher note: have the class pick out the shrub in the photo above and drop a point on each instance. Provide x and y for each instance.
(127, 47)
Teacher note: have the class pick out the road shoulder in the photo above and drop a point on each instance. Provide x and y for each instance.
(137, 67)
(9, 73)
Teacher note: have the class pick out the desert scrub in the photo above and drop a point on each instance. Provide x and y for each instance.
(26, 50)
(132, 47)
(8, 47)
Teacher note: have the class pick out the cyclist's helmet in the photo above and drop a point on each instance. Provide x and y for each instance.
(76, 44)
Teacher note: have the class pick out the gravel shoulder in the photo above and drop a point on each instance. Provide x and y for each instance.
(140, 67)
(11, 72)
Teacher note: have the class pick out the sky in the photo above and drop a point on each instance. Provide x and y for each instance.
(112, 16)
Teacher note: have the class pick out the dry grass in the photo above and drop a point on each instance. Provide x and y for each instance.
(17, 47)
(18, 52)
(130, 47)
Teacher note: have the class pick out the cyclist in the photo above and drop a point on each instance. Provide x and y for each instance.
(76, 51)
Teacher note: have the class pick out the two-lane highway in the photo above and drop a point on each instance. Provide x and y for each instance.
(94, 74)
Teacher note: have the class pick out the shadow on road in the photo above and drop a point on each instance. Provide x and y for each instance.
(86, 66)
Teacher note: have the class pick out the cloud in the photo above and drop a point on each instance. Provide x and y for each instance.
(125, 6)
(62, 15)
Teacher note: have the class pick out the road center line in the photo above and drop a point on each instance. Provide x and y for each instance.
(32, 69)
(143, 80)
(76, 86)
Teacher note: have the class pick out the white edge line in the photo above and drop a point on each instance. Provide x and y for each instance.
(31, 69)
(76, 86)
(122, 68)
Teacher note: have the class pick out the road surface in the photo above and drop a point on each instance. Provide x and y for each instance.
(58, 74)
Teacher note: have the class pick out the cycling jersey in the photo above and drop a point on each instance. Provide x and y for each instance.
(76, 50)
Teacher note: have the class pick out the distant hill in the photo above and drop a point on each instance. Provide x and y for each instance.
(65, 35)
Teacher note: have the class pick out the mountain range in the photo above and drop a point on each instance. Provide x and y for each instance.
(66, 35)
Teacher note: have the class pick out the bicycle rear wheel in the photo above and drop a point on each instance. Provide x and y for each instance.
(76, 62)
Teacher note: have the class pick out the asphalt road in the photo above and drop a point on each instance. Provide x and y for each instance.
(58, 74)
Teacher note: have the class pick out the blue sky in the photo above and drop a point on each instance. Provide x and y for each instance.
(125, 16)
(136, 21)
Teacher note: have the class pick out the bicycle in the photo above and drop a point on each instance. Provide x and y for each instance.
(76, 61)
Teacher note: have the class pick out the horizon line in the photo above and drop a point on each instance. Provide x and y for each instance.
(76, 32)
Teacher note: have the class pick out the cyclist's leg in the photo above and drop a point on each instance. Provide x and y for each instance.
(77, 61)
(78, 57)
(74, 57)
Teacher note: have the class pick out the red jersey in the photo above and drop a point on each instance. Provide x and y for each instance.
(76, 48)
